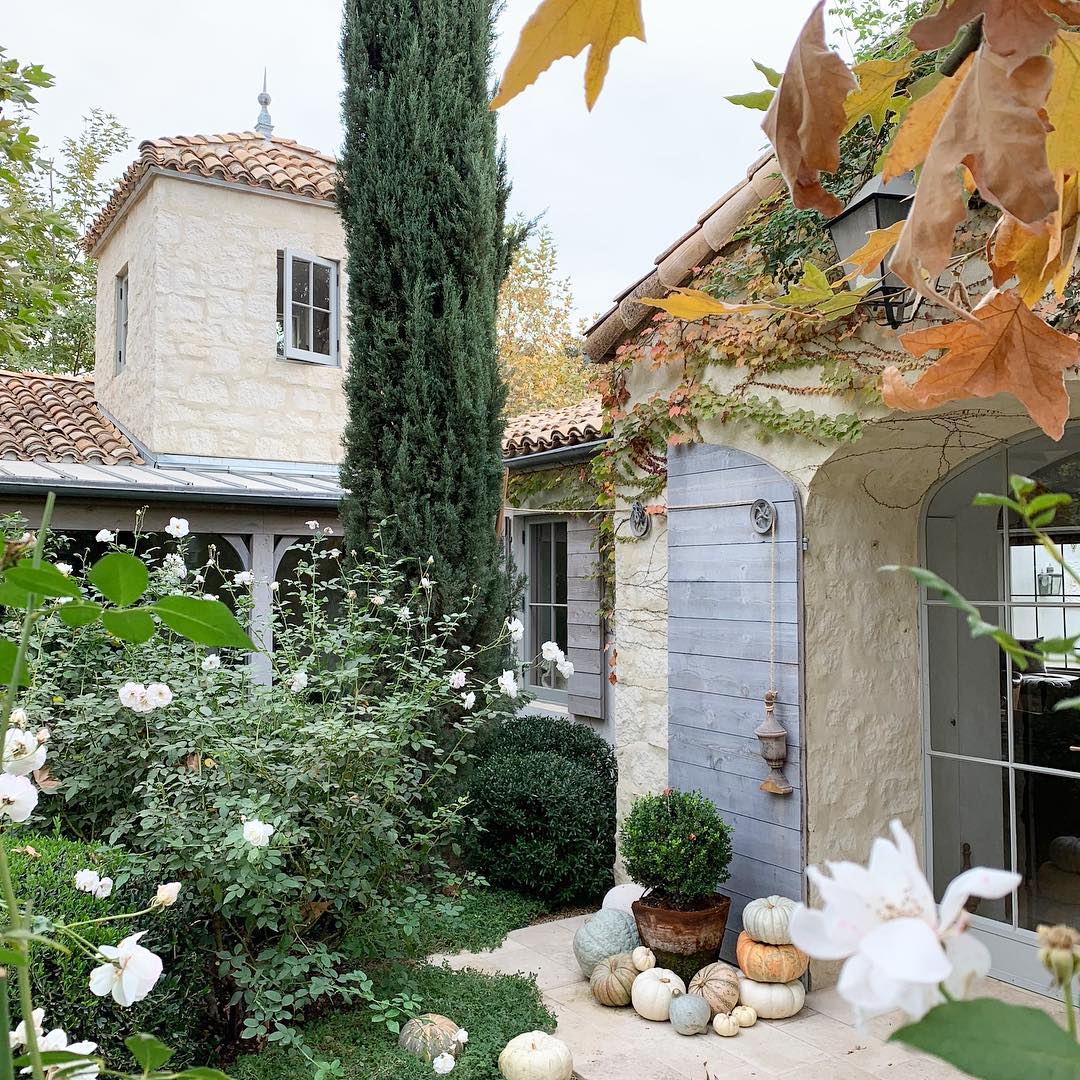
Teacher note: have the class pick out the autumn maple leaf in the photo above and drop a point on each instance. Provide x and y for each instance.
(1006, 349)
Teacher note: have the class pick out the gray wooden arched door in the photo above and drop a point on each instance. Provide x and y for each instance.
(722, 608)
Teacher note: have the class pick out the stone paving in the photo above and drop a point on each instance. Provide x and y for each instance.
(821, 1043)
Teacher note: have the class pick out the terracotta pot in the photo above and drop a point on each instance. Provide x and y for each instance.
(684, 941)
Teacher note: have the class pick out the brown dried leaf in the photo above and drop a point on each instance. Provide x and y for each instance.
(995, 128)
(1063, 106)
(921, 124)
(808, 116)
(1006, 349)
(1016, 29)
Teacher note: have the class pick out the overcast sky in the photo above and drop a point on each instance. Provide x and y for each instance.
(616, 185)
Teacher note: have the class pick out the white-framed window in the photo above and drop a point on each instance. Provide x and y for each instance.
(307, 307)
(121, 318)
(540, 552)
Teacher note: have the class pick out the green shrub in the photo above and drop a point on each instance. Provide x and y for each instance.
(547, 821)
(492, 1008)
(677, 845)
(525, 734)
(178, 1010)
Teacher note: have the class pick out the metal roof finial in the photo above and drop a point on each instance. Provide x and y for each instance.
(263, 125)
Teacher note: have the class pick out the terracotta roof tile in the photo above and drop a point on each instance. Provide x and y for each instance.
(55, 418)
(243, 158)
(552, 428)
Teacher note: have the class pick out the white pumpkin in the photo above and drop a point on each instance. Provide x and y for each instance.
(1065, 853)
(725, 1025)
(536, 1055)
(744, 1016)
(643, 958)
(652, 993)
(767, 920)
(772, 1001)
(621, 897)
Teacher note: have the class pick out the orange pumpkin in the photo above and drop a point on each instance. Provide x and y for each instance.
(770, 963)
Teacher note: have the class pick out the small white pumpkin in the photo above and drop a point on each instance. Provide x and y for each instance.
(621, 897)
(536, 1055)
(643, 958)
(767, 920)
(690, 1014)
(772, 1001)
(744, 1016)
(725, 1025)
(652, 993)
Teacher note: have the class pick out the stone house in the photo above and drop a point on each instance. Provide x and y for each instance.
(890, 709)
(217, 391)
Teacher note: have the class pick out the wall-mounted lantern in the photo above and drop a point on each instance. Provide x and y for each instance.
(878, 205)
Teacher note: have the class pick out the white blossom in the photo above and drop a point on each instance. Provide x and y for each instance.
(210, 596)
(166, 894)
(198, 579)
(105, 536)
(211, 662)
(468, 700)
(65, 568)
(462, 1036)
(313, 526)
(87, 880)
(457, 680)
(17, 1037)
(23, 754)
(159, 695)
(516, 628)
(257, 833)
(133, 696)
(18, 797)
(334, 553)
(177, 527)
(426, 582)
(298, 681)
(443, 1064)
(18, 717)
(508, 684)
(378, 600)
(565, 669)
(243, 577)
(404, 614)
(104, 888)
(551, 652)
(57, 1040)
(173, 564)
(274, 586)
(129, 973)
(899, 947)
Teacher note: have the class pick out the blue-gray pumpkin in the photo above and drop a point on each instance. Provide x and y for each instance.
(607, 933)
(690, 1014)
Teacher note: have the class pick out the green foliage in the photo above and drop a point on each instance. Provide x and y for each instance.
(422, 199)
(492, 1008)
(178, 1010)
(988, 1039)
(354, 765)
(544, 799)
(677, 845)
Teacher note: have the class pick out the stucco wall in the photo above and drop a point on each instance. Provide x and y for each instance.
(203, 376)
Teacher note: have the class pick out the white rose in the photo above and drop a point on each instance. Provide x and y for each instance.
(378, 601)
(551, 652)
(18, 717)
(18, 797)
(457, 680)
(211, 662)
(105, 536)
(516, 628)
(159, 695)
(17, 1037)
(65, 568)
(508, 684)
(129, 974)
(104, 888)
(426, 582)
(131, 695)
(468, 700)
(87, 880)
(462, 1036)
(313, 525)
(443, 1064)
(23, 754)
(257, 833)
(166, 894)
(177, 527)
(298, 681)
(565, 668)
(174, 565)
(244, 577)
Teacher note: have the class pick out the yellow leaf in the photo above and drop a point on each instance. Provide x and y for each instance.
(693, 304)
(921, 124)
(1063, 105)
(561, 28)
(814, 288)
(876, 91)
(872, 254)
(1005, 348)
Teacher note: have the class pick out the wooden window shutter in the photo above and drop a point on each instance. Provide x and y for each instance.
(585, 624)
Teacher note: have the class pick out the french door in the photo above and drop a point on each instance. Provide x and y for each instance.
(1002, 754)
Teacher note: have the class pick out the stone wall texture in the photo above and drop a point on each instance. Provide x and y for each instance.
(203, 376)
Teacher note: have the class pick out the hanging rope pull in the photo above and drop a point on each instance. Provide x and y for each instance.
(772, 734)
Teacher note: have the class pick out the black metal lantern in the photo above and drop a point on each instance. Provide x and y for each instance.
(877, 205)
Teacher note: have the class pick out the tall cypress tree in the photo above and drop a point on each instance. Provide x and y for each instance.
(422, 196)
